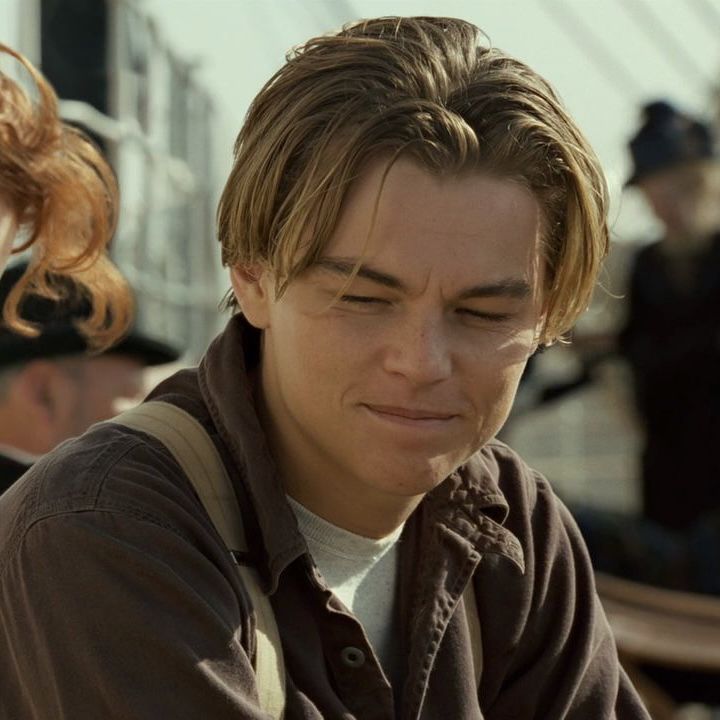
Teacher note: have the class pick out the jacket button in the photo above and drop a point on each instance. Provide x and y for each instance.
(352, 657)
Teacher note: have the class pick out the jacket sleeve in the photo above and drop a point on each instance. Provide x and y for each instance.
(108, 614)
(559, 660)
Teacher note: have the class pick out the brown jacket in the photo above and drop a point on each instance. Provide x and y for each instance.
(118, 599)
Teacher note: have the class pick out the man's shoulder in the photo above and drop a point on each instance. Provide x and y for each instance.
(110, 469)
(72, 475)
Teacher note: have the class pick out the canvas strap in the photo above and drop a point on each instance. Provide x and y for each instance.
(195, 452)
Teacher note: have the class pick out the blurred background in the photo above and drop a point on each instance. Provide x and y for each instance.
(163, 86)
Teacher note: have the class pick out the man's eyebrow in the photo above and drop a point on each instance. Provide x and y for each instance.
(510, 287)
(347, 267)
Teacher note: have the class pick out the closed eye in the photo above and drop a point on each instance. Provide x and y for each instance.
(492, 317)
(363, 300)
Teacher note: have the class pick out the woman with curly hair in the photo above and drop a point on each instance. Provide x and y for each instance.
(59, 197)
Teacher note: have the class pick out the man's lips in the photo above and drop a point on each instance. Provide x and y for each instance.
(406, 413)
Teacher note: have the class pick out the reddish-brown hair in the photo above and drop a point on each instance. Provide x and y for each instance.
(65, 199)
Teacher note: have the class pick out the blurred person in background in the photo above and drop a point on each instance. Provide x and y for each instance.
(58, 196)
(409, 214)
(51, 387)
(671, 339)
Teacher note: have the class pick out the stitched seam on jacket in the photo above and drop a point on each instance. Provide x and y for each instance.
(143, 517)
(57, 508)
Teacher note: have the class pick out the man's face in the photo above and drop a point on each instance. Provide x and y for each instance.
(686, 198)
(102, 386)
(384, 391)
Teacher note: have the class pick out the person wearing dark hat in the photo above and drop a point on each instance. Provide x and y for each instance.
(671, 341)
(51, 389)
(671, 338)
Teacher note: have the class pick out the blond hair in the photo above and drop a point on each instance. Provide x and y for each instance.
(430, 89)
(64, 196)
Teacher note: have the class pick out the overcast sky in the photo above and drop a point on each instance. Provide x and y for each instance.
(605, 57)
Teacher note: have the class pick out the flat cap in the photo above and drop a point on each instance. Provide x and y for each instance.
(59, 335)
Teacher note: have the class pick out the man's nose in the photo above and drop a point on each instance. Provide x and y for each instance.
(420, 351)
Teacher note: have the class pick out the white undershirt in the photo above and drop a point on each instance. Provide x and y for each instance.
(363, 573)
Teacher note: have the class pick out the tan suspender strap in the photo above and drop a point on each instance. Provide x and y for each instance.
(197, 455)
(473, 621)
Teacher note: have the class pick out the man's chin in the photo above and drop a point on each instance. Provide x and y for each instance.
(406, 482)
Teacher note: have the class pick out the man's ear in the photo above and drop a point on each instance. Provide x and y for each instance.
(29, 411)
(35, 385)
(253, 288)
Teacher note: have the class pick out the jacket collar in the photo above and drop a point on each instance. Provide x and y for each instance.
(468, 504)
(225, 382)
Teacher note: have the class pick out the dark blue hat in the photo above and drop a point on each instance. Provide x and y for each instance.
(59, 335)
(667, 138)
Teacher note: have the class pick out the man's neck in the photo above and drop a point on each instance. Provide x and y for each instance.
(368, 517)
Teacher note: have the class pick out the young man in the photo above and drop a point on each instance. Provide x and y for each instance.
(51, 388)
(409, 215)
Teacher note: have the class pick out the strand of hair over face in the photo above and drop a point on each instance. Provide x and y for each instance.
(65, 199)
